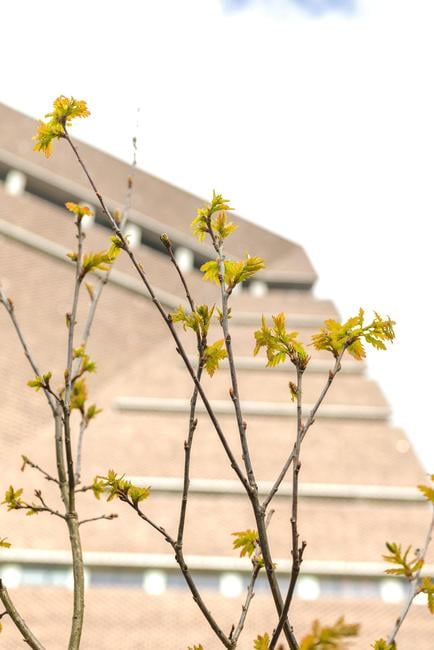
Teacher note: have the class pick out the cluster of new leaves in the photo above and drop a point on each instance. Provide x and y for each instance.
(80, 211)
(280, 344)
(262, 642)
(381, 644)
(406, 567)
(198, 320)
(86, 365)
(4, 542)
(212, 355)
(428, 491)
(427, 587)
(235, 271)
(337, 337)
(326, 638)
(195, 647)
(212, 220)
(39, 382)
(246, 540)
(96, 261)
(65, 109)
(114, 486)
(248, 543)
(13, 501)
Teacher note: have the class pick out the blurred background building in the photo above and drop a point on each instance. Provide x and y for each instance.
(358, 473)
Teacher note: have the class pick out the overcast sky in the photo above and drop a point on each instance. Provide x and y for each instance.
(315, 117)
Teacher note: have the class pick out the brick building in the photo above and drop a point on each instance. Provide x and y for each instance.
(358, 472)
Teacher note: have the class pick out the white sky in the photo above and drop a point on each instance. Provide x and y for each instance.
(320, 128)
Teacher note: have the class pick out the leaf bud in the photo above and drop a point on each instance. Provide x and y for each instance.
(166, 241)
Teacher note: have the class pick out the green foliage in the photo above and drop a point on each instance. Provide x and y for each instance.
(86, 365)
(197, 320)
(261, 642)
(64, 111)
(336, 337)
(280, 344)
(196, 647)
(326, 638)
(98, 261)
(4, 542)
(13, 498)
(406, 567)
(92, 412)
(117, 243)
(115, 486)
(427, 587)
(235, 272)
(40, 382)
(247, 541)
(212, 356)
(381, 644)
(218, 227)
(78, 395)
(79, 210)
(427, 491)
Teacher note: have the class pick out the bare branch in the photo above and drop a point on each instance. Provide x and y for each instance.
(310, 420)
(27, 634)
(112, 515)
(27, 461)
(179, 556)
(8, 304)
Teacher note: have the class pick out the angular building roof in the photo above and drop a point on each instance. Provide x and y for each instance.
(358, 472)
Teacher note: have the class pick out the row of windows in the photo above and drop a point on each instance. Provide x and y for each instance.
(15, 184)
(230, 585)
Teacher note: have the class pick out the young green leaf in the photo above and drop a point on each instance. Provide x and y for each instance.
(212, 356)
(405, 567)
(381, 644)
(4, 542)
(328, 637)
(427, 587)
(78, 395)
(13, 498)
(40, 382)
(261, 642)
(280, 344)
(247, 541)
(64, 111)
(336, 337)
(427, 491)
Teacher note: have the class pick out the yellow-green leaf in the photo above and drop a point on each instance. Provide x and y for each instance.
(212, 356)
(246, 541)
(262, 642)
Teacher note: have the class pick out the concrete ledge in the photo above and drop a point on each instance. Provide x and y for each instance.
(209, 563)
(338, 491)
(265, 409)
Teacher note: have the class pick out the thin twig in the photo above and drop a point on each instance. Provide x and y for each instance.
(296, 551)
(257, 565)
(110, 516)
(27, 634)
(82, 429)
(179, 556)
(166, 317)
(8, 304)
(27, 461)
(415, 584)
(310, 420)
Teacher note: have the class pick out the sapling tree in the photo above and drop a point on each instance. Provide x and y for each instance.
(280, 346)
